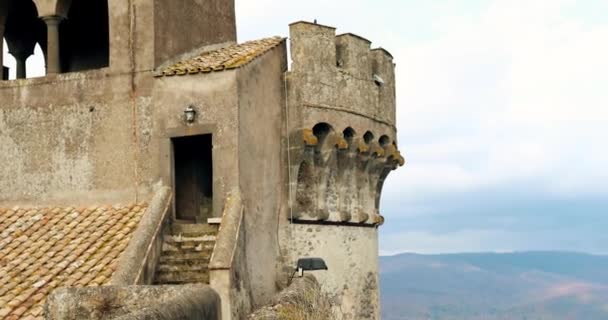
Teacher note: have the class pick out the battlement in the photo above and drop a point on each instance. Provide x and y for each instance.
(316, 47)
(341, 72)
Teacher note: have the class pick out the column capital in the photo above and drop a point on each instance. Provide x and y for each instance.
(49, 8)
(52, 20)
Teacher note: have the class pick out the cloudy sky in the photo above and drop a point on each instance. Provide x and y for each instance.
(502, 114)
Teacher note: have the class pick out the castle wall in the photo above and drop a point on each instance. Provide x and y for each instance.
(351, 255)
(67, 139)
(70, 138)
(181, 26)
(131, 35)
(262, 165)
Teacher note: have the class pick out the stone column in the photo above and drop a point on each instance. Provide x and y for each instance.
(21, 59)
(53, 62)
(21, 46)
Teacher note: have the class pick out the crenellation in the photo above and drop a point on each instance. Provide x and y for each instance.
(340, 72)
(384, 67)
(353, 55)
(313, 47)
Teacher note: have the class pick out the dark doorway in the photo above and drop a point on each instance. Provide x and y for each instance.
(193, 178)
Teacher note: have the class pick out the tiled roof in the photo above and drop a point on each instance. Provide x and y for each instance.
(231, 57)
(44, 249)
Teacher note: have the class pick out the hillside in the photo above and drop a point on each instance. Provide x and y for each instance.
(530, 285)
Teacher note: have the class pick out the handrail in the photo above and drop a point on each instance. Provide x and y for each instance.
(134, 266)
(227, 237)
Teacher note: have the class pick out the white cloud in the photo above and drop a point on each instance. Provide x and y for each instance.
(521, 87)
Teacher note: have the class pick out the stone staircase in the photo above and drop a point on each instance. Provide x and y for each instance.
(185, 256)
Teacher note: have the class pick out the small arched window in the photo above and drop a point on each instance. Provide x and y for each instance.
(384, 141)
(349, 134)
(368, 137)
(321, 130)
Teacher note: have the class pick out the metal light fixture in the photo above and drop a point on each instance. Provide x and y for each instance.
(189, 114)
(308, 264)
(378, 80)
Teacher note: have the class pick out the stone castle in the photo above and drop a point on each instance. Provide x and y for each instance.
(161, 170)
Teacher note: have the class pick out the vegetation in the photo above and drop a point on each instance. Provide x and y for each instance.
(303, 300)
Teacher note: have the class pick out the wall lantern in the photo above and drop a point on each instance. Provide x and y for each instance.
(378, 80)
(308, 264)
(189, 114)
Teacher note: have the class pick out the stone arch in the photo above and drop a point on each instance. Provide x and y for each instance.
(368, 137)
(22, 30)
(349, 134)
(384, 141)
(325, 155)
(378, 187)
(322, 131)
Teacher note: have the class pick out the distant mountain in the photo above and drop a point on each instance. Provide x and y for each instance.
(493, 286)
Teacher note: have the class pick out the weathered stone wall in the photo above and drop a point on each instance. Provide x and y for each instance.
(68, 138)
(351, 255)
(214, 97)
(261, 163)
(134, 302)
(181, 26)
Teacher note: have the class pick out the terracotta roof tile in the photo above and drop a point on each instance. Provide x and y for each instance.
(231, 57)
(44, 249)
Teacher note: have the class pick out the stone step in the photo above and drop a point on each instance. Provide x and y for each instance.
(186, 267)
(176, 257)
(186, 252)
(172, 248)
(183, 239)
(181, 277)
(192, 230)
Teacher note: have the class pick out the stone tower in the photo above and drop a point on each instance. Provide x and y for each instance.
(341, 115)
(157, 150)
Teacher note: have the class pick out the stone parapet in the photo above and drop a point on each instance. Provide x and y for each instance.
(134, 302)
(340, 72)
